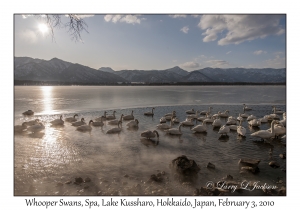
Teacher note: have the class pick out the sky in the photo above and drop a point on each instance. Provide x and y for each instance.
(153, 41)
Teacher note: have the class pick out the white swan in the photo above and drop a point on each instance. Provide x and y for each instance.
(274, 116)
(81, 122)
(266, 134)
(241, 130)
(251, 117)
(115, 130)
(277, 111)
(278, 129)
(175, 120)
(20, 128)
(217, 123)
(164, 125)
(200, 128)
(247, 108)
(193, 116)
(103, 117)
(85, 127)
(171, 114)
(71, 119)
(98, 123)
(163, 120)
(57, 121)
(150, 113)
(28, 112)
(206, 112)
(128, 117)
(239, 118)
(224, 130)
(149, 134)
(188, 122)
(283, 122)
(209, 120)
(217, 115)
(244, 115)
(254, 123)
(174, 131)
(133, 123)
(36, 128)
(203, 118)
(191, 111)
(231, 121)
(263, 119)
(111, 117)
(115, 122)
(224, 114)
(233, 127)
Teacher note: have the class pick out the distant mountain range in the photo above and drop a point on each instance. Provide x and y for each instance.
(26, 68)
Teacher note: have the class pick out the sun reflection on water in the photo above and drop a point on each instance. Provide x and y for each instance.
(47, 99)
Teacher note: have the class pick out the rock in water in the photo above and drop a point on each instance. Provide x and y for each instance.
(78, 180)
(250, 162)
(210, 165)
(274, 164)
(185, 169)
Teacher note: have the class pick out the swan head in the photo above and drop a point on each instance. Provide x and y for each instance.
(155, 131)
(75, 115)
(91, 121)
(82, 119)
(136, 120)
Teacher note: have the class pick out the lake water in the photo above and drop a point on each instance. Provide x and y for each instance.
(116, 163)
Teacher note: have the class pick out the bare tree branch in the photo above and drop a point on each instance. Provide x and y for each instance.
(75, 25)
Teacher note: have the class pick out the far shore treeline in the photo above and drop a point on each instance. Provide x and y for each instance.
(59, 83)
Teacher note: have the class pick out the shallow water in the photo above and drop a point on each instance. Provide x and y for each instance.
(46, 160)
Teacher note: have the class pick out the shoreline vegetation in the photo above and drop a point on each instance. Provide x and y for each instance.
(58, 83)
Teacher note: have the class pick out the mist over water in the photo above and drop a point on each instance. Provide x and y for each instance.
(59, 154)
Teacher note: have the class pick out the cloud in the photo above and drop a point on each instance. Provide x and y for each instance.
(277, 62)
(29, 36)
(177, 16)
(235, 29)
(259, 52)
(228, 52)
(84, 16)
(217, 63)
(26, 16)
(130, 19)
(190, 64)
(185, 29)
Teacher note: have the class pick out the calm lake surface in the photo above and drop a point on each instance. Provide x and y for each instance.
(44, 162)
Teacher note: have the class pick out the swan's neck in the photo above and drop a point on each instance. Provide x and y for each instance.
(272, 127)
(179, 128)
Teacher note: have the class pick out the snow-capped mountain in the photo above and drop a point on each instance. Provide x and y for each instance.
(153, 76)
(266, 75)
(59, 70)
(106, 69)
(196, 76)
(26, 68)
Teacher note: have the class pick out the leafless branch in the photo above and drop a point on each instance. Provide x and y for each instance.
(75, 25)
